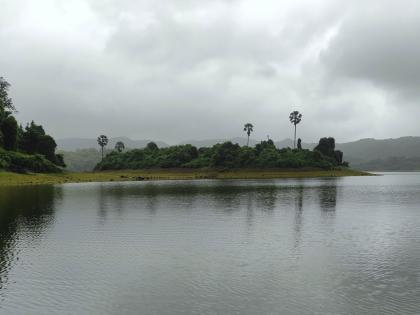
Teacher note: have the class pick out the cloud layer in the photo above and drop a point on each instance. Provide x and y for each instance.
(174, 70)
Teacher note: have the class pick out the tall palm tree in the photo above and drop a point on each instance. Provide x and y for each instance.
(248, 127)
(295, 118)
(119, 146)
(102, 141)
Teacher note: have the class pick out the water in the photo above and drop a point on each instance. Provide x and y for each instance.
(314, 246)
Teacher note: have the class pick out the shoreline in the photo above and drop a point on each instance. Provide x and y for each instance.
(13, 179)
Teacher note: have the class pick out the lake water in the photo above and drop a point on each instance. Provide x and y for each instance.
(298, 246)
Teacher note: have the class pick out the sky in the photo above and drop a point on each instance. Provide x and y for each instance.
(200, 69)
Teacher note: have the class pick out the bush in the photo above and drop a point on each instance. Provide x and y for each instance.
(15, 161)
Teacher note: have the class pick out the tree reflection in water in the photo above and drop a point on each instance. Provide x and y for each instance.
(23, 209)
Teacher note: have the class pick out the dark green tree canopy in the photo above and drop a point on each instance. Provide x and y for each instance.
(295, 117)
(36, 148)
(326, 146)
(299, 144)
(9, 129)
(6, 103)
(31, 138)
(223, 155)
(120, 146)
(102, 141)
(248, 128)
(152, 146)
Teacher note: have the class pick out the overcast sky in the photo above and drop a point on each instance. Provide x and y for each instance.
(198, 69)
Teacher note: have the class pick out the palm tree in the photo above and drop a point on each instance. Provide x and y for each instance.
(248, 127)
(119, 146)
(102, 141)
(295, 118)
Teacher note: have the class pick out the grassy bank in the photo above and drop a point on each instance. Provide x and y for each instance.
(7, 178)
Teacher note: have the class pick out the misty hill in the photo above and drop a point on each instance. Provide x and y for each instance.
(369, 149)
(73, 144)
(389, 164)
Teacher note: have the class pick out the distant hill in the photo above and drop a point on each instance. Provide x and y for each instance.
(389, 164)
(367, 154)
(73, 144)
(370, 149)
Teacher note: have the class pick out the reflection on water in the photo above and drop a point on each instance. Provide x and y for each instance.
(329, 246)
(26, 210)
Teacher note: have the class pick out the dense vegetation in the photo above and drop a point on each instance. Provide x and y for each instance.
(225, 155)
(24, 149)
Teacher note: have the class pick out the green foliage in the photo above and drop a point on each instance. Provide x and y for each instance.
(31, 137)
(9, 129)
(6, 103)
(46, 147)
(326, 146)
(33, 140)
(225, 155)
(38, 148)
(1, 139)
(20, 162)
(152, 146)
(119, 146)
(102, 141)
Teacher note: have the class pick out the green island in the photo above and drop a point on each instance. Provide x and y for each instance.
(28, 156)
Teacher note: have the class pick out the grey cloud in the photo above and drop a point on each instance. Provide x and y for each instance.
(379, 44)
(175, 70)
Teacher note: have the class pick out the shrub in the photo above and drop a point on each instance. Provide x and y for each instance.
(15, 161)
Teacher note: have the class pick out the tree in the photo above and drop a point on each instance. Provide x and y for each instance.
(299, 144)
(1, 139)
(152, 146)
(6, 103)
(102, 141)
(46, 146)
(31, 137)
(248, 128)
(225, 155)
(295, 118)
(326, 146)
(119, 146)
(9, 129)
(59, 160)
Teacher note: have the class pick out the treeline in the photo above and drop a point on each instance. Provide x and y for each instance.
(225, 155)
(26, 148)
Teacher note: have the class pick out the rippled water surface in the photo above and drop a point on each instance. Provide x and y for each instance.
(314, 246)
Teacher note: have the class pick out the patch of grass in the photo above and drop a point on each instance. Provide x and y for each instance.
(8, 178)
